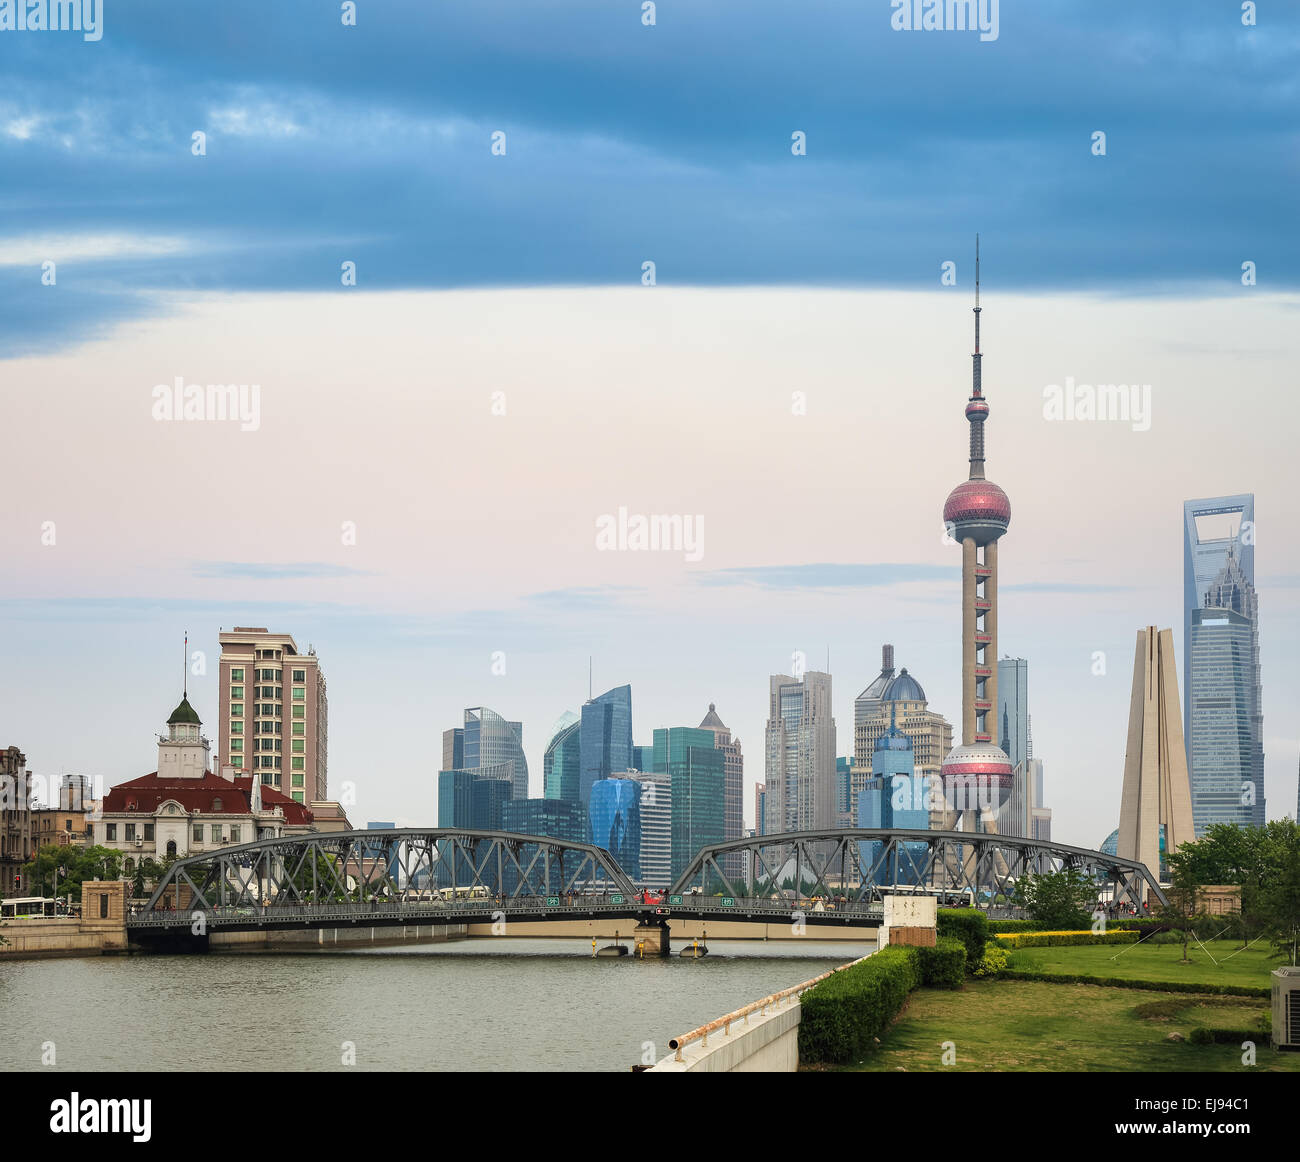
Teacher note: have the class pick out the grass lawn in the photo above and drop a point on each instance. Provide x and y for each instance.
(1157, 962)
(1011, 1025)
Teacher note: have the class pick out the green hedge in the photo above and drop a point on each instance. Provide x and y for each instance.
(1133, 925)
(1159, 986)
(1067, 939)
(944, 965)
(844, 1012)
(968, 925)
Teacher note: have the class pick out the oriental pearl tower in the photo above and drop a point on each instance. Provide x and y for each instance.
(977, 775)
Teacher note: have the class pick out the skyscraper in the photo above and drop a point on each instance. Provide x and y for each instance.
(896, 700)
(734, 779)
(656, 826)
(605, 740)
(799, 754)
(561, 764)
(615, 814)
(696, 770)
(287, 748)
(1015, 817)
(492, 742)
(1156, 804)
(977, 774)
(896, 796)
(1223, 716)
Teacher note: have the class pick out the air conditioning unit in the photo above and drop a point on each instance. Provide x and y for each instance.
(1286, 1007)
(139, 842)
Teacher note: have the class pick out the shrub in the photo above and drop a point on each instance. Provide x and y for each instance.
(993, 962)
(999, 926)
(1065, 939)
(968, 925)
(944, 965)
(844, 1012)
(1204, 1036)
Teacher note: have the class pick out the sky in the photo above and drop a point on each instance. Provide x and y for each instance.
(500, 377)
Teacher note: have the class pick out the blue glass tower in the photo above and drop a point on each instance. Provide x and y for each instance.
(895, 798)
(491, 741)
(1222, 706)
(562, 762)
(615, 813)
(605, 745)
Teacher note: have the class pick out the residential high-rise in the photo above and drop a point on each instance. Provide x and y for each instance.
(734, 779)
(561, 764)
(697, 783)
(493, 742)
(977, 775)
(897, 698)
(605, 742)
(1223, 714)
(656, 805)
(274, 715)
(799, 754)
(615, 815)
(1156, 803)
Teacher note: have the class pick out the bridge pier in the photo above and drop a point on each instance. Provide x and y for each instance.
(651, 938)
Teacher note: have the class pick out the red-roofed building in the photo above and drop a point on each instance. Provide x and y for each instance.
(184, 808)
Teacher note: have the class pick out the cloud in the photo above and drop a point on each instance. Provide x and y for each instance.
(270, 571)
(826, 575)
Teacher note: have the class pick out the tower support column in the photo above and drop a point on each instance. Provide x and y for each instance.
(969, 624)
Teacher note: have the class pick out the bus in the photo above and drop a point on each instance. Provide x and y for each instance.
(27, 907)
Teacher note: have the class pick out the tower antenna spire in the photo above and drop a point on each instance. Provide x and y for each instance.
(185, 666)
(977, 310)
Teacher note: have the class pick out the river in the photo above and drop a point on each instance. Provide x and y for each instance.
(476, 1006)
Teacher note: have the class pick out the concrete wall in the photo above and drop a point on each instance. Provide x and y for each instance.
(327, 938)
(764, 1044)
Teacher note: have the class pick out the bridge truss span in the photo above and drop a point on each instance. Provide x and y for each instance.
(863, 864)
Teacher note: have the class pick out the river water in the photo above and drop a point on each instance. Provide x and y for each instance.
(475, 1005)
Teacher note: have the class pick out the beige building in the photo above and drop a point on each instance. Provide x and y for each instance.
(52, 826)
(799, 754)
(16, 845)
(1157, 792)
(274, 712)
(902, 695)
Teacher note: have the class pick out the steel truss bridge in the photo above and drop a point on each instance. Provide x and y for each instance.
(454, 876)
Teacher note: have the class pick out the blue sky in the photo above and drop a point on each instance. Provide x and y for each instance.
(627, 143)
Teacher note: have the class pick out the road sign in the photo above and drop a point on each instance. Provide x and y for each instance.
(728, 901)
(674, 899)
(552, 901)
(616, 899)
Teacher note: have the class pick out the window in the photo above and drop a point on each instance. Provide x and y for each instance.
(67, 825)
(103, 905)
(298, 780)
(237, 745)
(266, 779)
(216, 833)
(110, 830)
(299, 746)
(299, 764)
(198, 833)
(237, 674)
(236, 710)
(148, 832)
(237, 692)
(297, 796)
(129, 833)
(234, 833)
(217, 804)
(300, 675)
(299, 693)
(300, 728)
(300, 712)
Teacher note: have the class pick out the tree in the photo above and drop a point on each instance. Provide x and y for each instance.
(1187, 869)
(1279, 898)
(75, 864)
(1063, 899)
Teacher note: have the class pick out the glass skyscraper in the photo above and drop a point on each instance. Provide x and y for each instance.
(696, 772)
(561, 764)
(615, 813)
(1222, 704)
(895, 798)
(605, 744)
(491, 741)
(554, 818)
